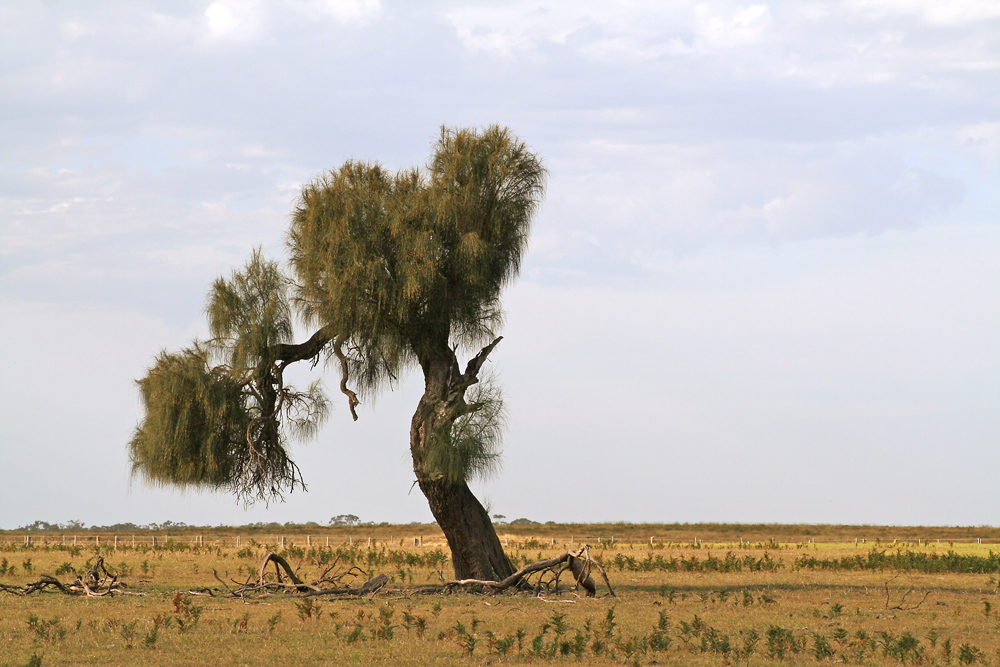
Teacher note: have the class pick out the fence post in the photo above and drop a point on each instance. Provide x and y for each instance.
(116, 543)
(328, 540)
(97, 540)
(309, 540)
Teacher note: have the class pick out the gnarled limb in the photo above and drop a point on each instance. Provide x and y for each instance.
(578, 562)
(352, 398)
(279, 564)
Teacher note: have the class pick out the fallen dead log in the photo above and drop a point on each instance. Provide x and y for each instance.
(577, 562)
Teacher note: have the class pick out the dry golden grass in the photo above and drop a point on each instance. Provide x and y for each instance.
(696, 617)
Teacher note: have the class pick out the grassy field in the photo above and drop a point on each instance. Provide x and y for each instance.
(711, 602)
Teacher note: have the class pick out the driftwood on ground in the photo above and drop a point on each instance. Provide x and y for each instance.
(95, 582)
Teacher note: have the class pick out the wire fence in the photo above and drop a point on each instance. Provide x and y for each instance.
(28, 540)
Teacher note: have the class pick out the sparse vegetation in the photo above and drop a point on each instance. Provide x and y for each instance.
(759, 603)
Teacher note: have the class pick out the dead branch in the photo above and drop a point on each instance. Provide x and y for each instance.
(285, 580)
(280, 564)
(578, 562)
(297, 585)
(96, 582)
(902, 602)
(370, 587)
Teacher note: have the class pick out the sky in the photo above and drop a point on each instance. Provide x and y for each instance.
(763, 286)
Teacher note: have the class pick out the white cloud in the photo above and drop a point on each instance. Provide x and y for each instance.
(718, 28)
(347, 11)
(932, 12)
(234, 19)
(822, 44)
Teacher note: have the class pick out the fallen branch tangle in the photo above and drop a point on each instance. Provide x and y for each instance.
(579, 563)
(96, 582)
(285, 580)
(295, 585)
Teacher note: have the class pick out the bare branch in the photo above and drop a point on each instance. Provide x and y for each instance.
(352, 398)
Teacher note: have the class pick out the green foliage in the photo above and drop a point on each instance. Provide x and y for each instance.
(395, 261)
(470, 447)
(220, 426)
(968, 654)
(272, 623)
(128, 633)
(194, 430)
(51, 630)
(308, 608)
(781, 642)
(394, 270)
(729, 563)
(249, 314)
(906, 560)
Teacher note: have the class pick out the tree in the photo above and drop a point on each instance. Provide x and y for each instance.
(393, 271)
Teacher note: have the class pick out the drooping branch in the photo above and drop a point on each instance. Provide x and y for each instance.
(352, 398)
(287, 354)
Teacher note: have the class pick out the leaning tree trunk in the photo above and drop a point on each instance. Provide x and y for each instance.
(475, 548)
(476, 551)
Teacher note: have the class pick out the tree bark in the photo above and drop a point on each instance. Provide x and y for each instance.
(476, 551)
(475, 548)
